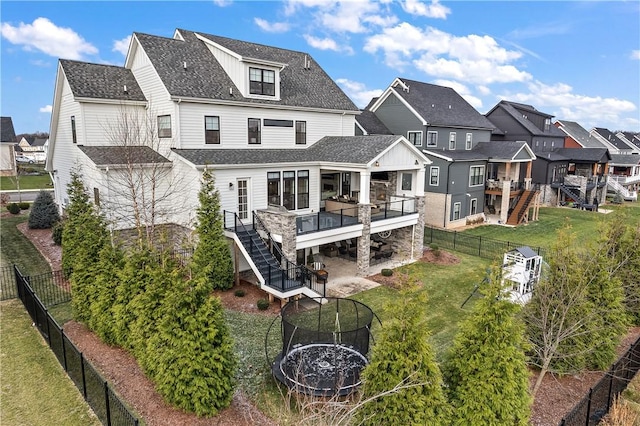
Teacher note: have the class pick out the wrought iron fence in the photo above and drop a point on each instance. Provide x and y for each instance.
(597, 402)
(96, 391)
(474, 245)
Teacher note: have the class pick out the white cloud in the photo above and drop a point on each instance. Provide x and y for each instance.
(346, 16)
(271, 27)
(589, 111)
(326, 44)
(483, 90)
(358, 92)
(462, 90)
(635, 54)
(46, 108)
(473, 58)
(222, 3)
(420, 8)
(45, 36)
(122, 46)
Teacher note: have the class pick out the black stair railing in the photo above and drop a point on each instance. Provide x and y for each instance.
(572, 194)
(293, 274)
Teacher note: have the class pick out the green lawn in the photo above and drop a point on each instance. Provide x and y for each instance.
(35, 390)
(17, 249)
(42, 181)
(542, 233)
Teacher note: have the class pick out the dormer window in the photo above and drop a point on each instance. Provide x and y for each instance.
(262, 82)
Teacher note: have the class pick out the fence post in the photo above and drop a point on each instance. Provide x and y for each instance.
(610, 386)
(64, 351)
(106, 403)
(588, 408)
(479, 245)
(454, 239)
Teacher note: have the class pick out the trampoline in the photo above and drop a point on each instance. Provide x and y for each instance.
(324, 347)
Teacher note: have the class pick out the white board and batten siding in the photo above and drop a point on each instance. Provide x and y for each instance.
(234, 126)
(235, 69)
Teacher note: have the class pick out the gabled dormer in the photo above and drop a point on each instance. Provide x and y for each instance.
(255, 77)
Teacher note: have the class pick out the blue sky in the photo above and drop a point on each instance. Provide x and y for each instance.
(577, 60)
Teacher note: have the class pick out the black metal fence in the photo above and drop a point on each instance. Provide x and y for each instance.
(597, 402)
(96, 391)
(8, 289)
(474, 245)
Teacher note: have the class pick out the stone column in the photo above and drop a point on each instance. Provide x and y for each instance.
(362, 262)
(418, 237)
(504, 207)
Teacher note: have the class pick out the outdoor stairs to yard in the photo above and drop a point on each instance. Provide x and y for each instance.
(624, 192)
(519, 211)
(575, 196)
(275, 276)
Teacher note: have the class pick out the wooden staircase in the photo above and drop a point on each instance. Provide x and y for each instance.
(521, 210)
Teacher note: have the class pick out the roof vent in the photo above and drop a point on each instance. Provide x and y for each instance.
(125, 89)
(184, 65)
(231, 91)
(433, 105)
(307, 63)
(449, 106)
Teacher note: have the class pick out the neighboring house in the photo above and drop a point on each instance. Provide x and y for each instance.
(630, 138)
(560, 173)
(454, 136)
(7, 152)
(577, 136)
(33, 148)
(616, 144)
(275, 130)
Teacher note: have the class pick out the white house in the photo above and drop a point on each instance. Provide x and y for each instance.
(7, 142)
(275, 130)
(521, 269)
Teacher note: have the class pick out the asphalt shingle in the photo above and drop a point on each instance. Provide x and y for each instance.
(121, 155)
(101, 81)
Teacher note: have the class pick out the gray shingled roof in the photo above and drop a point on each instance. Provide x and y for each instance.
(612, 138)
(334, 149)
(551, 156)
(634, 138)
(625, 159)
(526, 251)
(442, 106)
(585, 155)
(580, 134)
(7, 134)
(101, 81)
(119, 155)
(515, 110)
(471, 155)
(372, 124)
(500, 150)
(205, 78)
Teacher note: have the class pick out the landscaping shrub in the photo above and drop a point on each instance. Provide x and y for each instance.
(13, 208)
(239, 293)
(56, 233)
(263, 304)
(435, 249)
(387, 272)
(44, 213)
(24, 205)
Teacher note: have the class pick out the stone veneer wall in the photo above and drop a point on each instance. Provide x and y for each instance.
(283, 224)
(548, 195)
(168, 233)
(433, 208)
(364, 249)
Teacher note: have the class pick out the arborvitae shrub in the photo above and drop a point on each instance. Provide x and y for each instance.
(263, 304)
(56, 233)
(13, 208)
(44, 213)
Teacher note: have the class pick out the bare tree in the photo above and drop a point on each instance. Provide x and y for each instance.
(142, 187)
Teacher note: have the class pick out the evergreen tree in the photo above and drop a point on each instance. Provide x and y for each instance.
(486, 369)
(211, 258)
(403, 359)
(44, 212)
(192, 351)
(84, 236)
(101, 318)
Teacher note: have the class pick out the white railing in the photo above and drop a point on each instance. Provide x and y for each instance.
(624, 192)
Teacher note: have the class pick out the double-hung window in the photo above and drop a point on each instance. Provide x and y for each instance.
(212, 130)
(476, 175)
(262, 82)
(468, 144)
(456, 211)
(415, 137)
(474, 206)
(434, 176)
(164, 126)
(301, 132)
(406, 181)
(432, 138)
(254, 131)
(452, 141)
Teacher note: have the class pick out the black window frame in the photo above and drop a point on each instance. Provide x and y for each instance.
(415, 137)
(74, 134)
(435, 139)
(303, 185)
(260, 86)
(273, 182)
(256, 133)
(289, 189)
(211, 136)
(301, 132)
